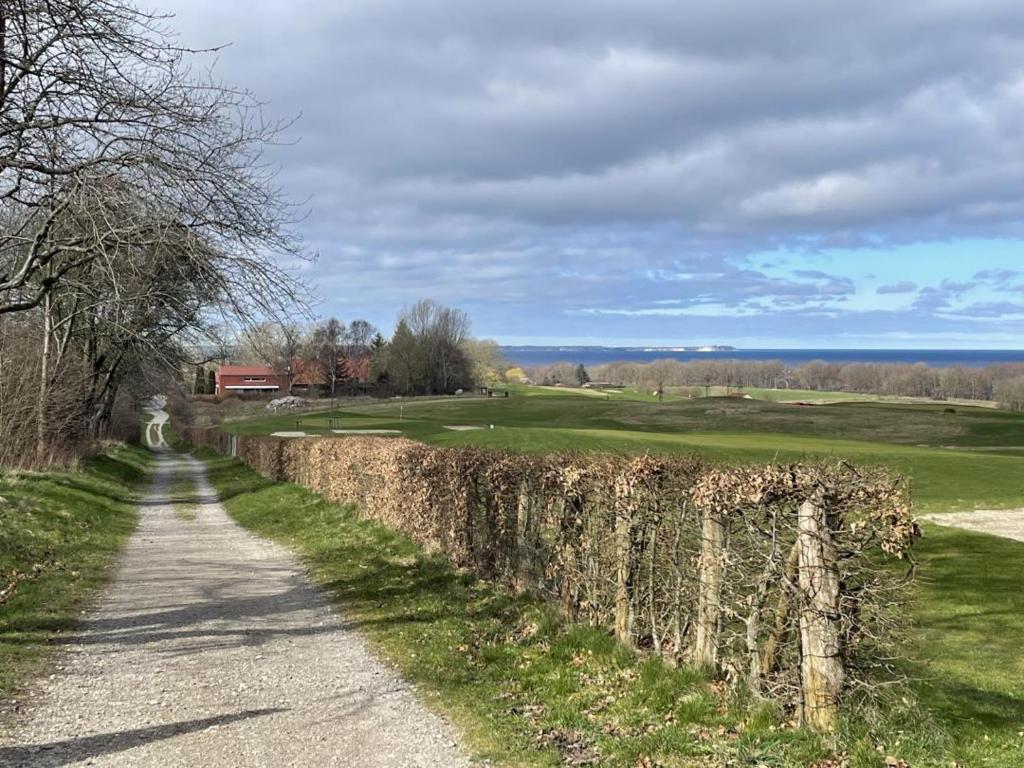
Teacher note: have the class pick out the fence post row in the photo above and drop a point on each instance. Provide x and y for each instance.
(598, 549)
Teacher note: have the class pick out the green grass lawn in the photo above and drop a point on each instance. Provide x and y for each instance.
(788, 395)
(965, 459)
(59, 532)
(969, 613)
(819, 396)
(968, 631)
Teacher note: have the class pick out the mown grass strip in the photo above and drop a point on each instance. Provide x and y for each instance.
(968, 616)
(59, 533)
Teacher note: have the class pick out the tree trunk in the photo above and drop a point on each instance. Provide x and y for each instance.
(43, 395)
(821, 668)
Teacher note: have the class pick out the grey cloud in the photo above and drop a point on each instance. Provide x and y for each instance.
(897, 288)
(957, 287)
(931, 300)
(797, 116)
(573, 154)
(998, 277)
(991, 309)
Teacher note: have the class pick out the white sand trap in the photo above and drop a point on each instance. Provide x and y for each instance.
(461, 427)
(287, 434)
(367, 431)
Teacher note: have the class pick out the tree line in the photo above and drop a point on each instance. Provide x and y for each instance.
(430, 352)
(137, 219)
(1004, 383)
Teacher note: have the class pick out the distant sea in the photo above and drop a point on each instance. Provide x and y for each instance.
(936, 358)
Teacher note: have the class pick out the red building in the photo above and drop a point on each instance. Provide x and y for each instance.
(251, 379)
(358, 368)
(310, 375)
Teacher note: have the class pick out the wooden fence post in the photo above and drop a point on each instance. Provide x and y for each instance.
(821, 669)
(709, 609)
(623, 573)
(524, 555)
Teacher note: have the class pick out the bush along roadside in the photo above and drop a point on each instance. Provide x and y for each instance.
(59, 533)
(524, 685)
(771, 576)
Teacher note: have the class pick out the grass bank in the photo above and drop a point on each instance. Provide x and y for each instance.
(524, 688)
(59, 533)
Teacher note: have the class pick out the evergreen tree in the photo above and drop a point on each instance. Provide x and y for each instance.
(405, 363)
(199, 388)
(582, 377)
(379, 358)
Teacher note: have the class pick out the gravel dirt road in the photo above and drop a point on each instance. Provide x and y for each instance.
(211, 648)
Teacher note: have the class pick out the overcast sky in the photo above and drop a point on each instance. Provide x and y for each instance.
(814, 174)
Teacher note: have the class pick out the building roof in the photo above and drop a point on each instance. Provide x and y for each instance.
(247, 370)
(307, 372)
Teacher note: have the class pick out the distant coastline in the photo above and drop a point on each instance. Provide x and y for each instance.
(597, 355)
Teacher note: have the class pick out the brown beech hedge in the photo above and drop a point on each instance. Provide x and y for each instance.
(776, 577)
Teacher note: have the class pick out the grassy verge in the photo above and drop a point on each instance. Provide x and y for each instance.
(59, 532)
(522, 687)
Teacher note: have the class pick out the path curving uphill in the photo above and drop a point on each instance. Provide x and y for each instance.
(158, 418)
(211, 648)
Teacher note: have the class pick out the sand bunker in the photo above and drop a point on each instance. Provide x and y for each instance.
(287, 434)
(367, 431)
(461, 427)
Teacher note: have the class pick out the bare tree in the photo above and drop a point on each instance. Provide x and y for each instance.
(440, 333)
(272, 343)
(136, 211)
(98, 103)
(1010, 394)
(487, 362)
(327, 348)
(360, 333)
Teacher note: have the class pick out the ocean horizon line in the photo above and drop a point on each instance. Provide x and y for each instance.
(539, 355)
